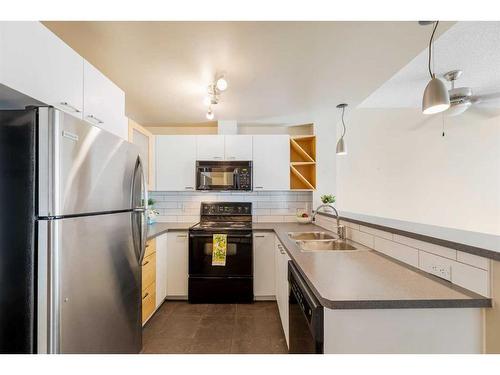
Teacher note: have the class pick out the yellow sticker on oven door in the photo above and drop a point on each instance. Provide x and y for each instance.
(219, 249)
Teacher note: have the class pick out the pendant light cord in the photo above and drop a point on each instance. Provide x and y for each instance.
(430, 47)
(343, 124)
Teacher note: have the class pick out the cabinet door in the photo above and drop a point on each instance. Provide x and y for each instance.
(238, 147)
(143, 139)
(282, 288)
(35, 62)
(103, 102)
(177, 264)
(263, 264)
(161, 269)
(271, 162)
(210, 147)
(175, 162)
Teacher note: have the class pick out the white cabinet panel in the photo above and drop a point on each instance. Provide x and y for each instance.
(35, 62)
(177, 264)
(264, 265)
(238, 147)
(161, 269)
(271, 162)
(210, 147)
(175, 162)
(282, 289)
(104, 102)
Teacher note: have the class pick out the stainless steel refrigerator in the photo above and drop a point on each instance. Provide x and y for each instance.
(72, 236)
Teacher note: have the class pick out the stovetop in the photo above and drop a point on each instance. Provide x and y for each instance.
(211, 226)
(225, 215)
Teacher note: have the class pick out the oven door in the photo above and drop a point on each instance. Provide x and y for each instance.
(239, 260)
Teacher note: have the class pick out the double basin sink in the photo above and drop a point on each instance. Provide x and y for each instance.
(320, 241)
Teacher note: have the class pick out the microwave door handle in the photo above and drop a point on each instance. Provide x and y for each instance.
(236, 179)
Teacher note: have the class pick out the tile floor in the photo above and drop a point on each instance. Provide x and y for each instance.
(179, 327)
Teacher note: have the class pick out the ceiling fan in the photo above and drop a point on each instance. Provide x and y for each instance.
(463, 98)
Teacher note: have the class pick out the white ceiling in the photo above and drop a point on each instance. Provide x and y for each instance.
(273, 68)
(473, 47)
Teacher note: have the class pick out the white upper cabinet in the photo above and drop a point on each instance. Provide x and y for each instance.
(104, 102)
(35, 62)
(210, 147)
(238, 147)
(271, 162)
(175, 162)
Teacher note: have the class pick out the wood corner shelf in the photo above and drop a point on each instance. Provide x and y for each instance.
(303, 162)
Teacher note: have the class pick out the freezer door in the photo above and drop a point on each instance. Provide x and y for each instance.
(94, 285)
(82, 168)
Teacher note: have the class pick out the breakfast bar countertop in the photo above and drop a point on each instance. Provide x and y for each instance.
(367, 279)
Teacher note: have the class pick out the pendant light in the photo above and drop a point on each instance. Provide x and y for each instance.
(341, 149)
(436, 97)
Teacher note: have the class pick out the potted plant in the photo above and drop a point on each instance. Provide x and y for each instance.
(328, 199)
(151, 213)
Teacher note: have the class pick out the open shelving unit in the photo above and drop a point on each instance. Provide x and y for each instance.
(303, 162)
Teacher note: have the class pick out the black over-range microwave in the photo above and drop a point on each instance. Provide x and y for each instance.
(224, 175)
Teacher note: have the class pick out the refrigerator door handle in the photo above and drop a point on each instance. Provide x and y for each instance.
(142, 208)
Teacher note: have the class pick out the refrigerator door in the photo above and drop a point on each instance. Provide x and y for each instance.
(94, 285)
(17, 223)
(82, 168)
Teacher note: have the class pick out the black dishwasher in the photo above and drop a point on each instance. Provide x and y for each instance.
(305, 316)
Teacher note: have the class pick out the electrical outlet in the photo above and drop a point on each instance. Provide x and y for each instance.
(436, 265)
(441, 271)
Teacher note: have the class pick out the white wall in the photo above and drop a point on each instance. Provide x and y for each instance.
(398, 167)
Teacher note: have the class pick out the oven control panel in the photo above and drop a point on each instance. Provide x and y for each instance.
(226, 208)
(245, 179)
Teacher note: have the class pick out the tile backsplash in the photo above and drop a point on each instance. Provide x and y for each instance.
(272, 206)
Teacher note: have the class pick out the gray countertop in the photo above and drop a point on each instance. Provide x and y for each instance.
(367, 279)
(359, 279)
(156, 229)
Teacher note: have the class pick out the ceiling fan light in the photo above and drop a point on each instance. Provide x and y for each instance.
(341, 150)
(436, 97)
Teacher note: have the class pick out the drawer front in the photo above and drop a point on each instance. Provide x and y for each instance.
(150, 247)
(148, 271)
(148, 301)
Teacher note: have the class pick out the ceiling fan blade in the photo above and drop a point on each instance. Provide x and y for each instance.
(486, 113)
(485, 98)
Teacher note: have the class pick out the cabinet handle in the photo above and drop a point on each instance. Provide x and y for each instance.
(67, 105)
(259, 187)
(217, 157)
(95, 119)
(260, 236)
(182, 236)
(146, 262)
(145, 296)
(188, 188)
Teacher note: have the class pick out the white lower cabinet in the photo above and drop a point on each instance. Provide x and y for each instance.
(264, 283)
(161, 269)
(177, 264)
(282, 289)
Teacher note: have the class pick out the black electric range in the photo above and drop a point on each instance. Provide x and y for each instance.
(231, 282)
